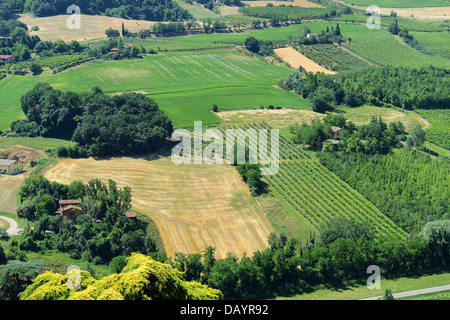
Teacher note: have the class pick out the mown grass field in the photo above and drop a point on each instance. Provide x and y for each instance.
(187, 84)
(193, 206)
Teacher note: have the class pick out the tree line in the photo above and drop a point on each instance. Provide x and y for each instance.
(406, 88)
(100, 124)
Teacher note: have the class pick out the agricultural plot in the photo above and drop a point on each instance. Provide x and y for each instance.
(332, 57)
(439, 132)
(437, 42)
(317, 194)
(167, 45)
(187, 84)
(193, 206)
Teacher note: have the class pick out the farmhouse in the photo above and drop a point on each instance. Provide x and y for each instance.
(336, 132)
(9, 166)
(7, 58)
(310, 35)
(70, 209)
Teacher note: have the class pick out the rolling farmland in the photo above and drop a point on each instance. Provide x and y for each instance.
(439, 132)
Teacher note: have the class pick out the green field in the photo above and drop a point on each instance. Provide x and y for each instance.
(410, 24)
(378, 46)
(184, 84)
(37, 143)
(438, 42)
(439, 133)
(317, 194)
(401, 3)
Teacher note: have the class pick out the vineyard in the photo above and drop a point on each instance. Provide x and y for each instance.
(62, 62)
(439, 132)
(332, 57)
(316, 193)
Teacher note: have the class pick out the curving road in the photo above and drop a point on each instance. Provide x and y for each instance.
(413, 293)
(13, 226)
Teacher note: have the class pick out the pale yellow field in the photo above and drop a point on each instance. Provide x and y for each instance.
(92, 27)
(193, 206)
(299, 3)
(296, 59)
(9, 185)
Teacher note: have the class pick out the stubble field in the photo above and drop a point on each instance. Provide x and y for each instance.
(193, 206)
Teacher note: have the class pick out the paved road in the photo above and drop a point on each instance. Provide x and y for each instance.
(13, 226)
(415, 292)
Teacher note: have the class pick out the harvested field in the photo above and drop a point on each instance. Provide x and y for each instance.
(92, 27)
(298, 3)
(8, 190)
(296, 59)
(193, 206)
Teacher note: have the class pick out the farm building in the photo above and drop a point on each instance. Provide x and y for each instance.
(9, 166)
(131, 215)
(7, 58)
(70, 209)
(127, 46)
(336, 132)
(115, 50)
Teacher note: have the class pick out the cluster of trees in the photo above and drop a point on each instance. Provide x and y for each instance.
(99, 235)
(152, 10)
(341, 253)
(103, 125)
(150, 279)
(407, 186)
(47, 48)
(263, 48)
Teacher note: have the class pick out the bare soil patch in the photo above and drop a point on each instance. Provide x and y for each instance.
(296, 59)
(193, 206)
(9, 185)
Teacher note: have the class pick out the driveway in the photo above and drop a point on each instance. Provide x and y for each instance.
(13, 226)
